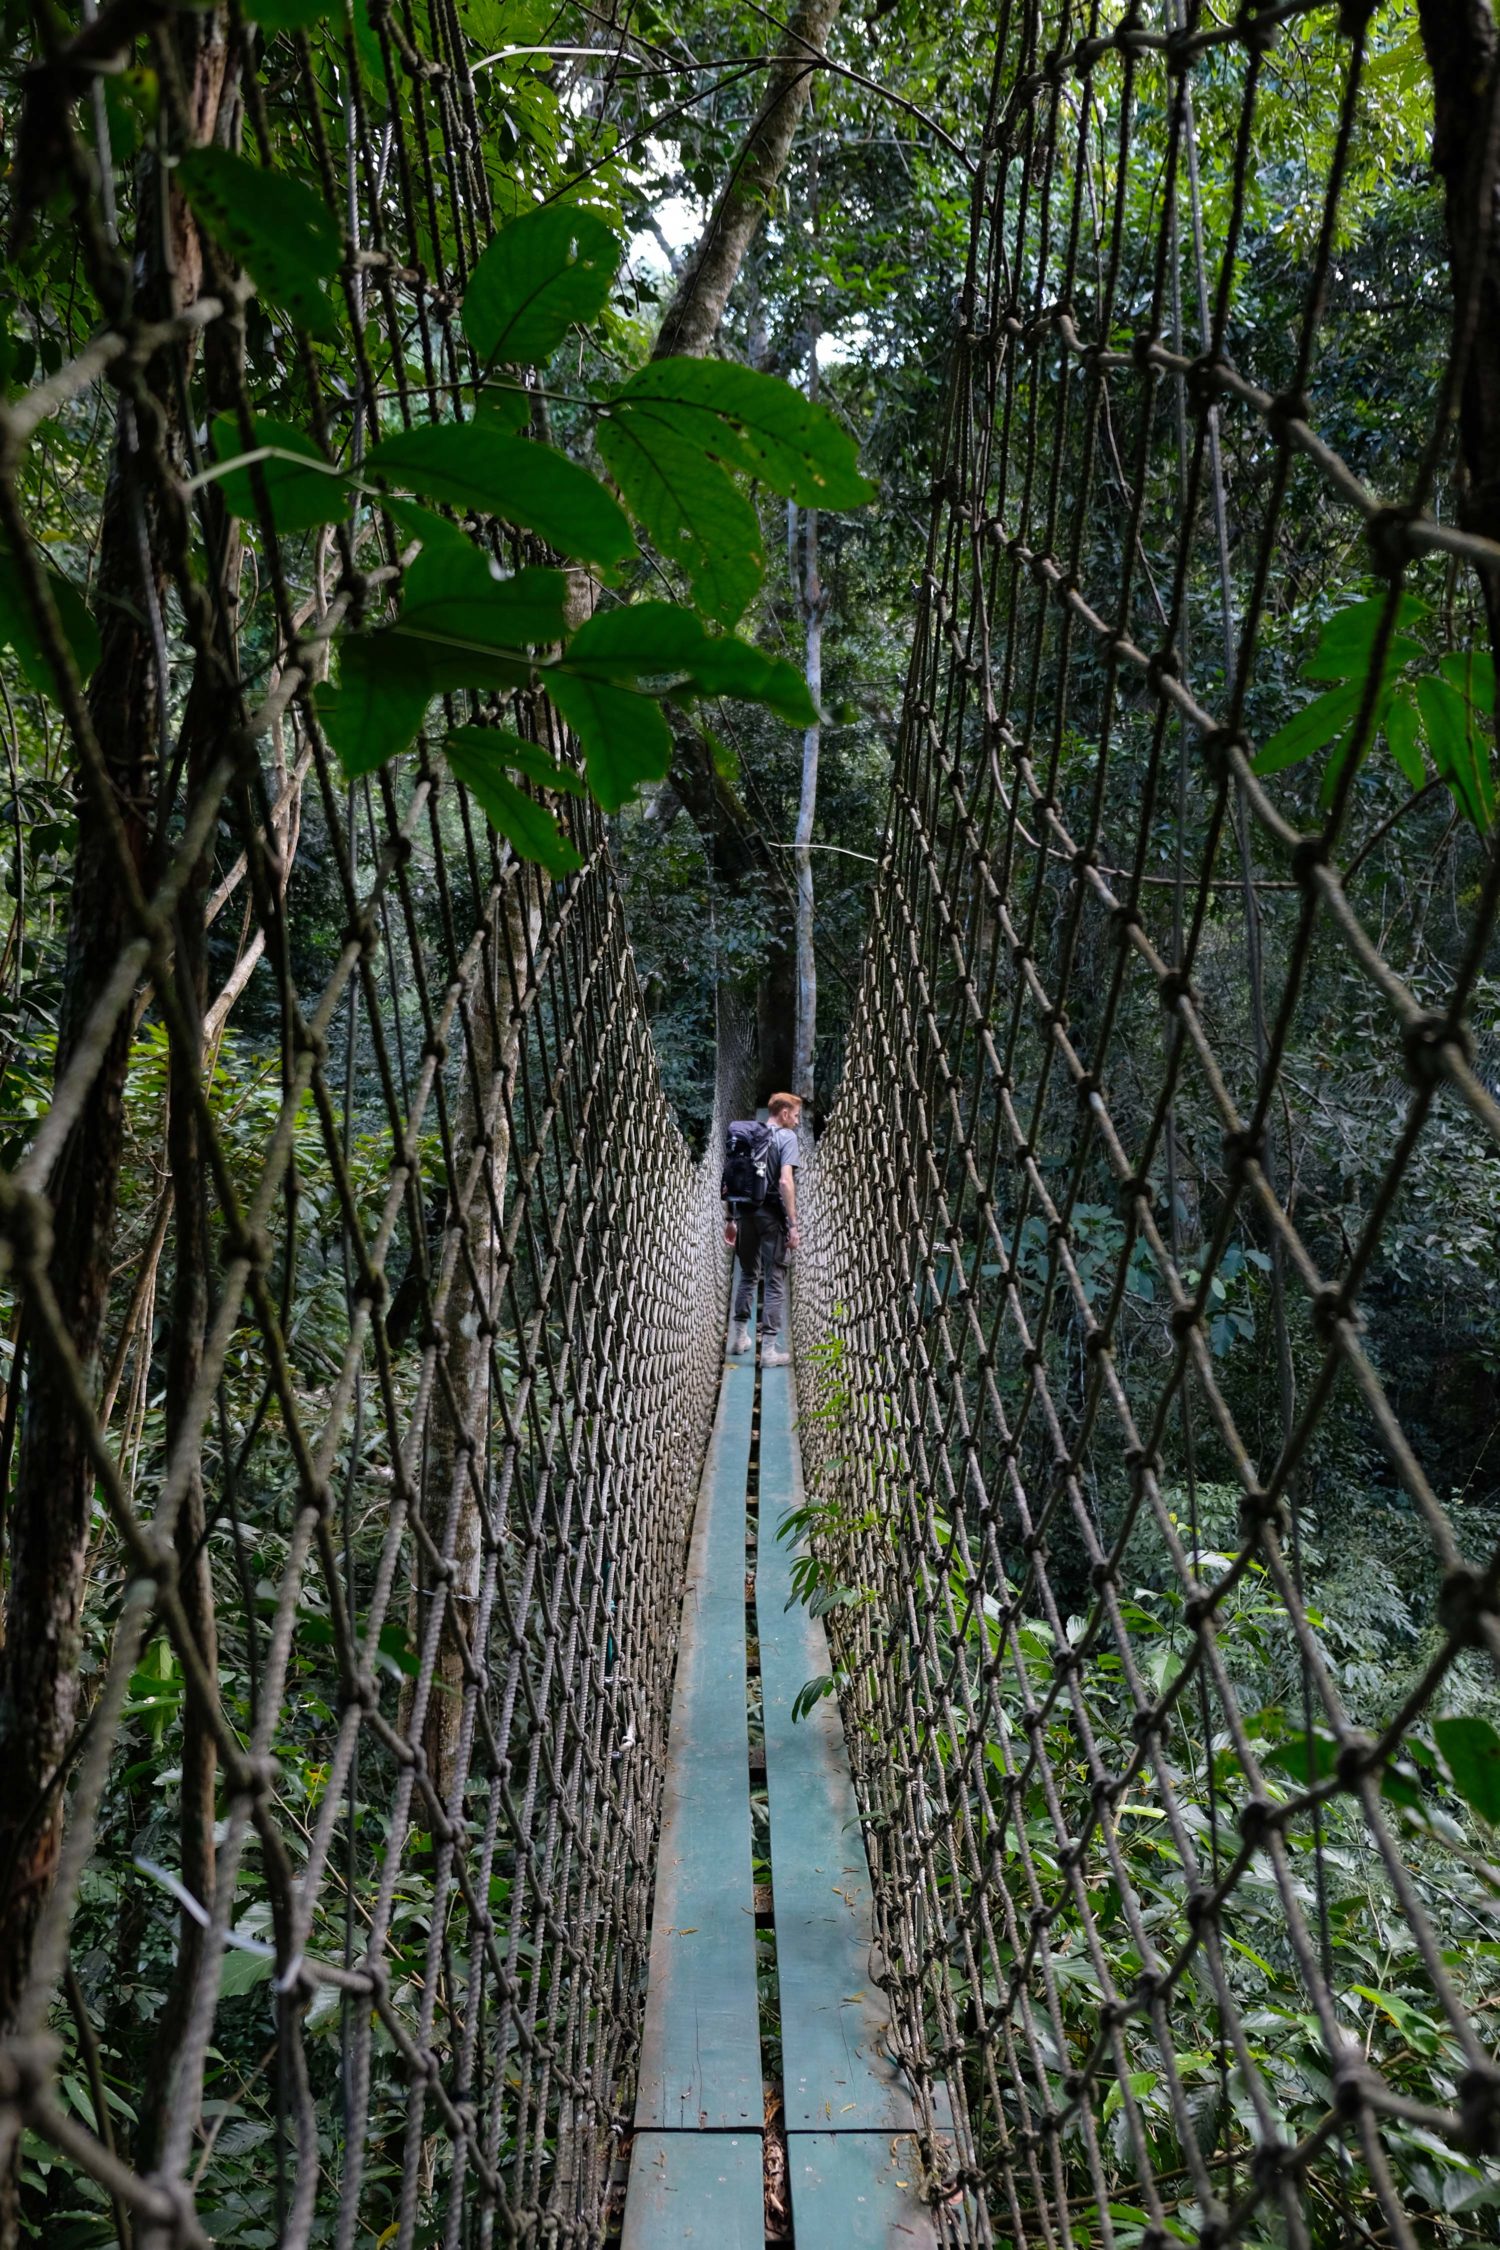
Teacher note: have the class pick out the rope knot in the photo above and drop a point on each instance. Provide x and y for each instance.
(1259, 1509)
(1332, 1310)
(1256, 1820)
(1179, 52)
(1388, 535)
(1423, 1042)
(1204, 378)
(251, 1245)
(1241, 1150)
(1465, 1602)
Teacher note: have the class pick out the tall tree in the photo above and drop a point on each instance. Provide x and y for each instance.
(690, 326)
(689, 330)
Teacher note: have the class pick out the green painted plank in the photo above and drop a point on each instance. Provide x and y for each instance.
(700, 2188)
(834, 2020)
(700, 2052)
(857, 2191)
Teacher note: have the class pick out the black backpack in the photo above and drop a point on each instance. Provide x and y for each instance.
(749, 1148)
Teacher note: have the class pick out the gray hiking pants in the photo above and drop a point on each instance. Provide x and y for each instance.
(762, 1243)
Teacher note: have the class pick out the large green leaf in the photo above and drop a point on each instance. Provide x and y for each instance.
(1471, 1750)
(453, 603)
(1347, 641)
(751, 422)
(1459, 751)
(659, 641)
(528, 758)
(504, 407)
(691, 510)
(542, 274)
(470, 465)
(625, 738)
(1403, 733)
(1314, 727)
(459, 627)
(1343, 749)
(18, 632)
(1472, 672)
(425, 524)
(300, 497)
(273, 226)
(479, 757)
(379, 704)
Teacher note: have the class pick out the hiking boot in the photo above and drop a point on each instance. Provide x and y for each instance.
(739, 1337)
(773, 1355)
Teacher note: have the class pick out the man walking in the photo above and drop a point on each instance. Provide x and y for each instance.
(763, 1232)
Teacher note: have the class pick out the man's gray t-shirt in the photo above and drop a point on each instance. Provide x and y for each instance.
(786, 1150)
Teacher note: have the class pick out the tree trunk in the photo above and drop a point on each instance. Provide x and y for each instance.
(54, 1492)
(689, 330)
(693, 318)
(814, 605)
(1463, 54)
(212, 697)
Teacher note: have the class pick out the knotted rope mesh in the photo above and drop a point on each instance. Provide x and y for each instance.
(391, 1552)
(1178, 1943)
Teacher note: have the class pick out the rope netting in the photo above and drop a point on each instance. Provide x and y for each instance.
(374, 1512)
(1187, 1919)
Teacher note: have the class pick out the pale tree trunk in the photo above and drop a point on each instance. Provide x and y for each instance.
(693, 318)
(690, 330)
(814, 606)
(813, 602)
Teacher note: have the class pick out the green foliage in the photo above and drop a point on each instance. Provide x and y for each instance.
(690, 509)
(1445, 709)
(471, 465)
(18, 630)
(272, 225)
(1471, 1752)
(674, 435)
(542, 275)
(1004, 1751)
(482, 759)
(300, 498)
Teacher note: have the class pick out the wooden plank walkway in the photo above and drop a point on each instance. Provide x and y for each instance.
(700, 2052)
(696, 2162)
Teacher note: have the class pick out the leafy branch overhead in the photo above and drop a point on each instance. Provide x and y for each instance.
(683, 442)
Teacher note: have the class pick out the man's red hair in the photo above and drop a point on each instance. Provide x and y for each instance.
(784, 1101)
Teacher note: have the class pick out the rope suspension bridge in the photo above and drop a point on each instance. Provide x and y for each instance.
(577, 1855)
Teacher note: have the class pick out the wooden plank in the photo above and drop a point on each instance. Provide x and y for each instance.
(857, 2191)
(700, 2053)
(834, 2020)
(700, 2188)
